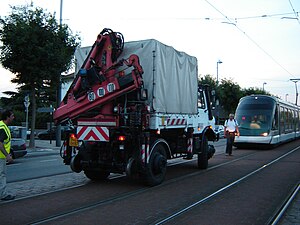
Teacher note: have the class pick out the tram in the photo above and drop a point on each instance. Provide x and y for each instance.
(266, 121)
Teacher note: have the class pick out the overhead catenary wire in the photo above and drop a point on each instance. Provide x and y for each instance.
(230, 21)
(295, 13)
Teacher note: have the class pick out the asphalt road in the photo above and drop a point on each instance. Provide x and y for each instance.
(43, 164)
(32, 166)
(242, 186)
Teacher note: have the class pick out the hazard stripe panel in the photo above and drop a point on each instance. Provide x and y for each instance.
(92, 133)
(176, 122)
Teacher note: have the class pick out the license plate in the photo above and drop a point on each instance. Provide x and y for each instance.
(73, 142)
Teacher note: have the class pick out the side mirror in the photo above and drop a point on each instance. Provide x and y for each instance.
(143, 94)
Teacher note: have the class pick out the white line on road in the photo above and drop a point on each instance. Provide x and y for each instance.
(14, 164)
(48, 160)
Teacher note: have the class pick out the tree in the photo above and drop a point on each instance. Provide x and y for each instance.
(230, 94)
(254, 91)
(37, 50)
(208, 79)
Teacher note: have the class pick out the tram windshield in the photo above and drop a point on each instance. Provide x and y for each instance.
(255, 116)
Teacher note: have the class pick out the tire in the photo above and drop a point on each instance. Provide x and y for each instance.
(75, 164)
(203, 157)
(157, 166)
(96, 175)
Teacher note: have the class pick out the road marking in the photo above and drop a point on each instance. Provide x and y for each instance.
(48, 160)
(14, 164)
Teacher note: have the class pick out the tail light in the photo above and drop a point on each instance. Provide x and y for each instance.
(73, 141)
(121, 138)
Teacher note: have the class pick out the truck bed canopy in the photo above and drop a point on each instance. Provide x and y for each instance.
(169, 76)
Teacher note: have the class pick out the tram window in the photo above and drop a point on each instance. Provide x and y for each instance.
(201, 101)
(287, 119)
(297, 121)
(275, 120)
(290, 113)
(282, 119)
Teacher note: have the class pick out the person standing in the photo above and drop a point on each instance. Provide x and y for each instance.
(5, 141)
(230, 130)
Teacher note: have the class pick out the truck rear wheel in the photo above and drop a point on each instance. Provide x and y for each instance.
(96, 174)
(157, 166)
(203, 157)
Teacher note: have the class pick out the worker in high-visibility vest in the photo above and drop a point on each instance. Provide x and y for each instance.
(5, 139)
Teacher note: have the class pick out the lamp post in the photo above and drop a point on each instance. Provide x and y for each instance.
(295, 81)
(26, 104)
(264, 83)
(218, 105)
(58, 127)
(219, 62)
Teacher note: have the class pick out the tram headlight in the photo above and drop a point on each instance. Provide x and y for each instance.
(265, 134)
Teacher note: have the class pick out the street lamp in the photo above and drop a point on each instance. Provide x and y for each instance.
(26, 104)
(58, 127)
(219, 62)
(295, 81)
(218, 105)
(264, 86)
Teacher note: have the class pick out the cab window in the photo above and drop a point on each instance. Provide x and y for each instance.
(201, 100)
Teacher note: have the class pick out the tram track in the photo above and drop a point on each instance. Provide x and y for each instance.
(118, 176)
(221, 190)
(277, 217)
(134, 193)
(72, 186)
(140, 191)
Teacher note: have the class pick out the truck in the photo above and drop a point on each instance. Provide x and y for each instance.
(133, 106)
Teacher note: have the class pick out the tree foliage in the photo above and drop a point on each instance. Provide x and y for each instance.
(37, 50)
(228, 93)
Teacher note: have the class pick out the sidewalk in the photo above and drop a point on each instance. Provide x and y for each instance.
(43, 146)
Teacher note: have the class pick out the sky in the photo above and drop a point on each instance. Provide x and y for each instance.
(257, 41)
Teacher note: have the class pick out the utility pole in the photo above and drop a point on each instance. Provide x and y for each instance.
(58, 127)
(218, 102)
(295, 81)
(26, 104)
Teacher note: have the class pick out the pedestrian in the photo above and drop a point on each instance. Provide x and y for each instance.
(7, 117)
(230, 130)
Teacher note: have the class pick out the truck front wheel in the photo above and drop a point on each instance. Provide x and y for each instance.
(203, 155)
(157, 166)
(96, 175)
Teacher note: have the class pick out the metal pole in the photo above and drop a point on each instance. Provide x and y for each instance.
(26, 103)
(218, 112)
(296, 93)
(60, 14)
(217, 73)
(219, 62)
(295, 81)
(58, 127)
(26, 119)
(264, 86)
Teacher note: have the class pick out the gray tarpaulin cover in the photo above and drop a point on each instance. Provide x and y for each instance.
(169, 76)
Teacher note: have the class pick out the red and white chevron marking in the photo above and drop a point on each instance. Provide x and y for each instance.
(175, 122)
(89, 133)
(190, 145)
(145, 153)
